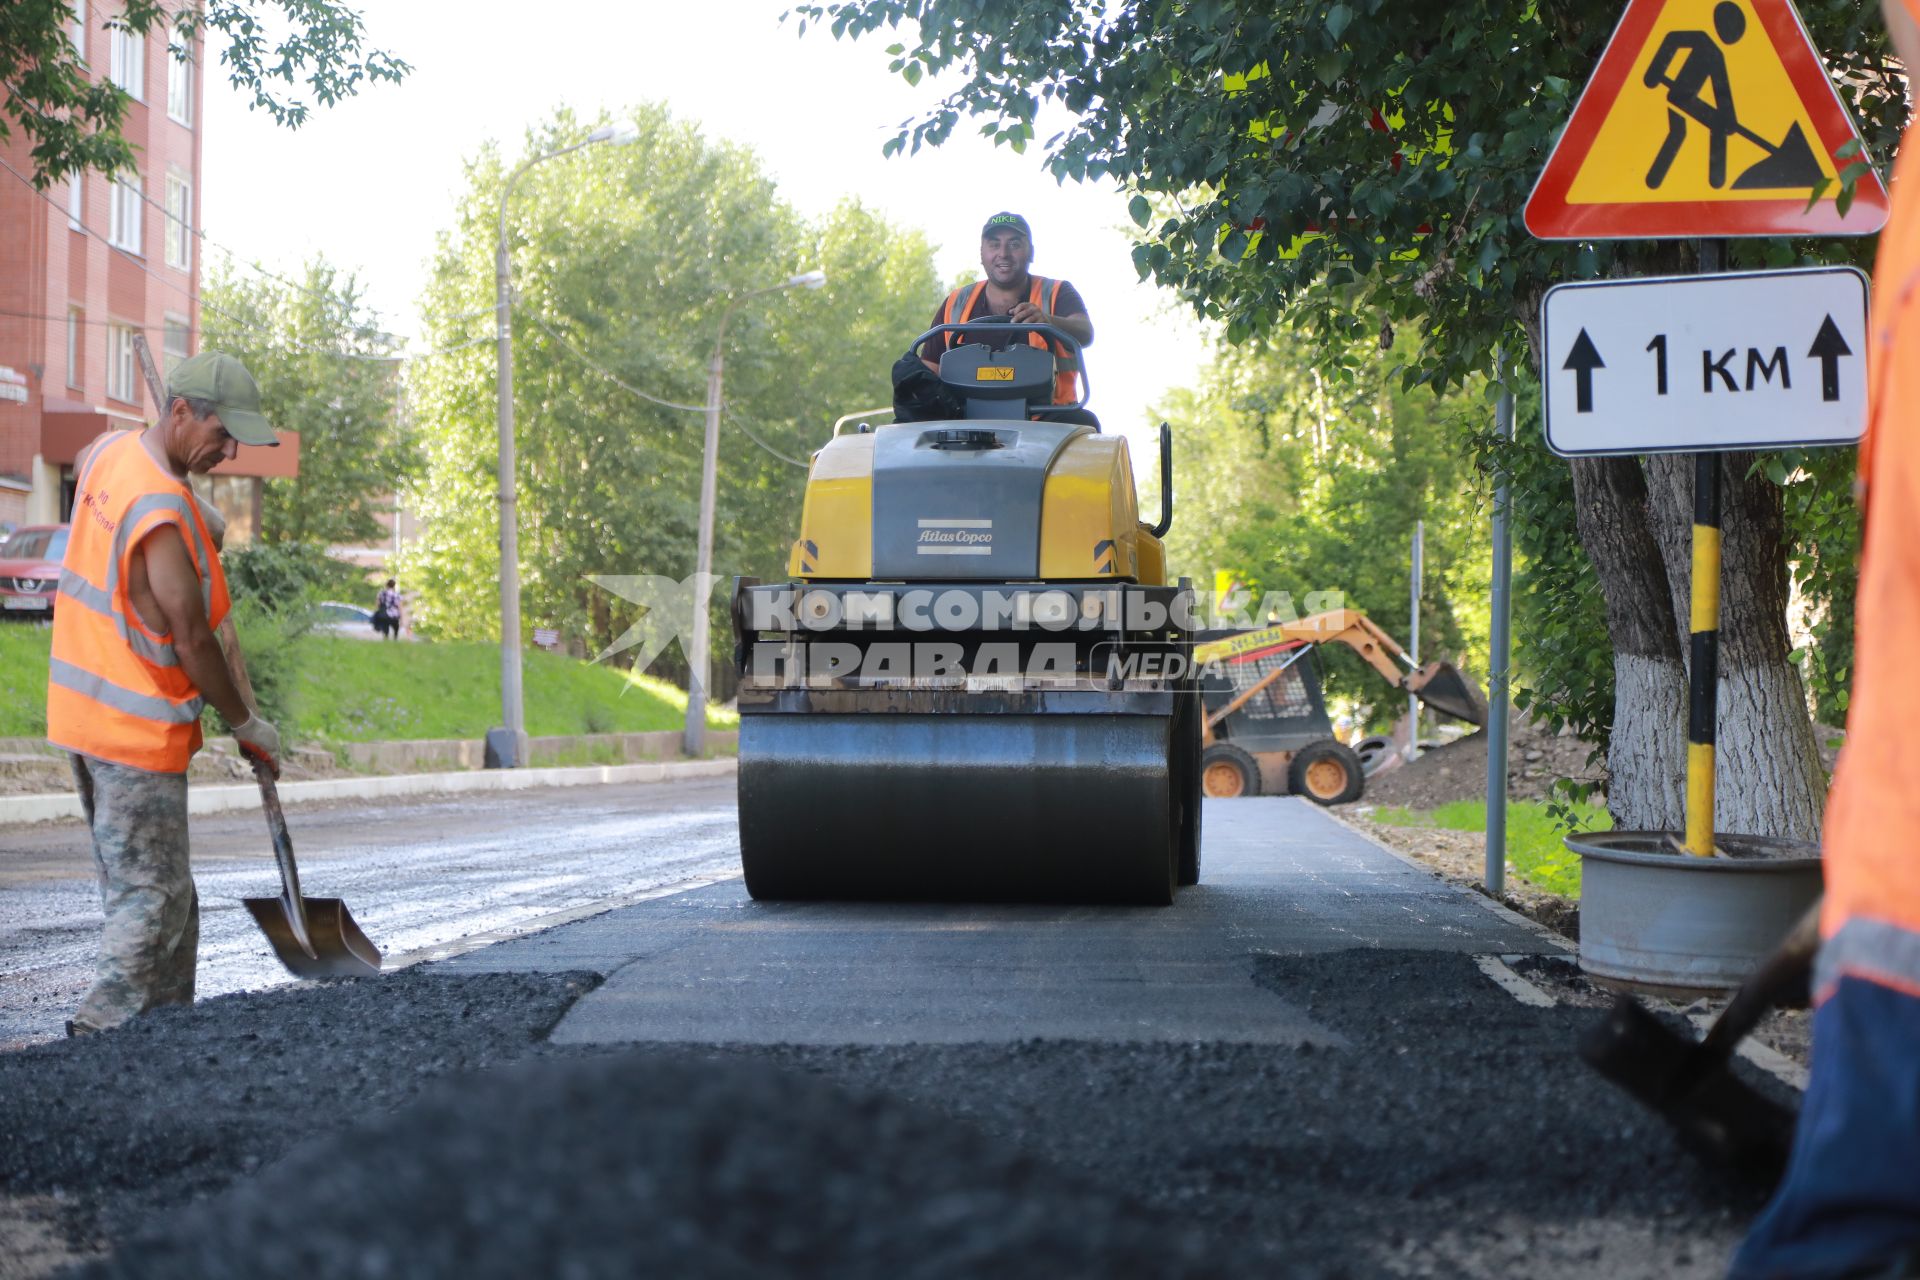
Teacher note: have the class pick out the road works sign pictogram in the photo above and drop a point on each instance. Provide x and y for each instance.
(1704, 118)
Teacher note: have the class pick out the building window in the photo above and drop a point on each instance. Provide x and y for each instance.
(179, 222)
(78, 29)
(77, 200)
(178, 343)
(122, 369)
(76, 358)
(180, 84)
(127, 62)
(123, 228)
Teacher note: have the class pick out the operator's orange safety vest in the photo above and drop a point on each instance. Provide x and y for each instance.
(115, 689)
(964, 304)
(1871, 920)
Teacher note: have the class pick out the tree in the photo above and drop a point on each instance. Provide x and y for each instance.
(327, 371)
(75, 121)
(623, 259)
(1401, 141)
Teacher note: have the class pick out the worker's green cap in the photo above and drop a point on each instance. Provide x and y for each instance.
(223, 380)
(1006, 222)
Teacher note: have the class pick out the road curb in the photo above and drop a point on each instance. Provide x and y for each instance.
(16, 810)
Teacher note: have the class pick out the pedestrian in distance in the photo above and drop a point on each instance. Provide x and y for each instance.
(1850, 1202)
(135, 659)
(386, 611)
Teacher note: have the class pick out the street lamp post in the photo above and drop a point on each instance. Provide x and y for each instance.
(694, 740)
(507, 745)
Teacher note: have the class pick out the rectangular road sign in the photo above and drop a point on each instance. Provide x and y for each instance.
(1690, 364)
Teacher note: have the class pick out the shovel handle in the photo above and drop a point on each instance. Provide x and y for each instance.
(296, 906)
(1788, 963)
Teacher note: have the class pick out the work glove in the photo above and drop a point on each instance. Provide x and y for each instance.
(259, 741)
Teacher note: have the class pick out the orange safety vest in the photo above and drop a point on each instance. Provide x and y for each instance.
(1871, 920)
(1066, 367)
(115, 689)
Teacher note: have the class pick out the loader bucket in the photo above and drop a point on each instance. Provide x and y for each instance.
(1442, 686)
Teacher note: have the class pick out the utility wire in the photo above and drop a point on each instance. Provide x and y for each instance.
(749, 432)
(614, 378)
(608, 374)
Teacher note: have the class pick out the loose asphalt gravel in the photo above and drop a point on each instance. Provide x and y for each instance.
(416, 1125)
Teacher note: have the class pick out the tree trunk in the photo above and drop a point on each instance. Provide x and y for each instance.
(1767, 762)
(1646, 756)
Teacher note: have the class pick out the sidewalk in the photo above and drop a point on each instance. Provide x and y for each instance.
(220, 799)
(1279, 878)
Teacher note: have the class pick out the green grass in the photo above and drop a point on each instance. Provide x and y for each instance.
(23, 679)
(1534, 844)
(368, 691)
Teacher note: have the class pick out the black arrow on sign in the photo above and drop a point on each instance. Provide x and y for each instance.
(1583, 360)
(1828, 347)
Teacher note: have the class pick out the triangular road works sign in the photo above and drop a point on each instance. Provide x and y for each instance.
(1704, 118)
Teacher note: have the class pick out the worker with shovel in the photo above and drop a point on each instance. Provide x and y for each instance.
(134, 661)
(1850, 1202)
(1692, 67)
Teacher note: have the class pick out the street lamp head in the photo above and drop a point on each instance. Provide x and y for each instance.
(811, 279)
(618, 134)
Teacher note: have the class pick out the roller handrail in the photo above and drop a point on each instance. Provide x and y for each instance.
(1166, 483)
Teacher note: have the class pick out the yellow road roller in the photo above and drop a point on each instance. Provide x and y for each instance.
(976, 683)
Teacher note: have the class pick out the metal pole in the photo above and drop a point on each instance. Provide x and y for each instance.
(512, 703)
(1704, 628)
(694, 739)
(513, 753)
(1499, 659)
(1413, 652)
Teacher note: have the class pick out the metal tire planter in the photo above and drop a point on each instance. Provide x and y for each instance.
(1656, 919)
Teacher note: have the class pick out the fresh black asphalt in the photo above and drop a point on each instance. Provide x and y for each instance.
(1413, 1120)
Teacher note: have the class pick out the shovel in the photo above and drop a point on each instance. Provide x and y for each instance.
(314, 937)
(1689, 1084)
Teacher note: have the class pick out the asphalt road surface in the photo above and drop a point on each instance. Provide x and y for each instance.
(421, 876)
(1307, 1067)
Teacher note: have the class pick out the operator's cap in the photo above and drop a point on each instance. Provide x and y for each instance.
(1006, 222)
(222, 379)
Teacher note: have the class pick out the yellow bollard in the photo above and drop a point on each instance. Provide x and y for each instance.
(1703, 691)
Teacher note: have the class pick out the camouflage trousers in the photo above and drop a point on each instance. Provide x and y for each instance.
(147, 951)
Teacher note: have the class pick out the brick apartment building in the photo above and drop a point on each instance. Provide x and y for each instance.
(90, 262)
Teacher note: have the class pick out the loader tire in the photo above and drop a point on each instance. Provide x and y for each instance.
(1227, 772)
(1327, 773)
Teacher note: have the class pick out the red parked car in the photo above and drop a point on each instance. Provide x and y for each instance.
(30, 570)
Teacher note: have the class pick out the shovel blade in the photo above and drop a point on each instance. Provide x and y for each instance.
(1446, 689)
(1721, 1118)
(339, 948)
(1791, 165)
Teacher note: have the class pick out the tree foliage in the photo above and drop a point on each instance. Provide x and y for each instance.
(1410, 135)
(288, 54)
(623, 260)
(327, 371)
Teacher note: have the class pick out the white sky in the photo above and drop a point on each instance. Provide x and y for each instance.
(370, 181)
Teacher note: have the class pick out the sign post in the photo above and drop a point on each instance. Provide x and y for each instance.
(1706, 121)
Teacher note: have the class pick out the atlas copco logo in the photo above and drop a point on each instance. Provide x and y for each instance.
(955, 538)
